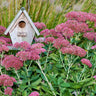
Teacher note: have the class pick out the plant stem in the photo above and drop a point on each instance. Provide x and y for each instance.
(50, 85)
(1, 62)
(47, 56)
(82, 73)
(30, 64)
(17, 74)
(62, 60)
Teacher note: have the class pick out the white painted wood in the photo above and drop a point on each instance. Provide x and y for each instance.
(29, 19)
(28, 30)
(10, 26)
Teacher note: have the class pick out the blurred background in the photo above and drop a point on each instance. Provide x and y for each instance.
(50, 12)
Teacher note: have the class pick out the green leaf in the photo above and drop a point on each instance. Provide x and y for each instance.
(24, 93)
(65, 85)
(36, 82)
(54, 57)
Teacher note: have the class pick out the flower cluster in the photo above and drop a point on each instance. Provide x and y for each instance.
(81, 16)
(2, 42)
(74, 25)
(86, 62)
(23, 55)
(11, 61)
(23, 45)
(74, 50)
(8, 91)
(2, 29)
(93, 47)
(6, 80)
(40, 25)
(94, 77)
(49, 39)
(67, 32)
(32, 53)
(60, 42)
(4, 48)
(90, 35)
(34, 94)
(6, 39)
(51, 32)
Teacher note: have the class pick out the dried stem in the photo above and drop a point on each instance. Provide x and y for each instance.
(50, 85)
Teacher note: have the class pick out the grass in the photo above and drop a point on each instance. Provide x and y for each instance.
(43, 10)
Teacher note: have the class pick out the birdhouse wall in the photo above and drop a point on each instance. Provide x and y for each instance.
(22, 30)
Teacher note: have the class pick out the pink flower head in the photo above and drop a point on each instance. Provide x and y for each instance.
(34, 94)
(60, 42)
(49, 40)
(4, 48)
(12, 62)
(89, 35)
(74, 50)
(93, 47)
(40, 25)
(94, 77)
(6, 80)
(23, 45)
(59, 27)
(45, 32)
(37, 45)
(2, 29)
(86, 62)
(8, 91)
(81, 16)
(2, 42)
(23, 55)
(6, 39)
(67, 32)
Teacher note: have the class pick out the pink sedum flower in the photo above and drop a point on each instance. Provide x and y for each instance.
(74, 50)
(67, 32)
(45, 32)
(37, 45)
(49, 39)
(2, 29)
(23, 45)
(23, 55)
(86, 62)
(60, 42)
(40, 25)
(94, 77)
(2, 42)
(6, 80)
(93, 47)
(6, 39)
(8, 91)
(34, 94)
(12, 62)
(89, 35)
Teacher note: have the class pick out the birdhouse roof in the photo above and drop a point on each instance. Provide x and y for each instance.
(22, 10)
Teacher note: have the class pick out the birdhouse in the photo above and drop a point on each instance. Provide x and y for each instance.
(22, 28)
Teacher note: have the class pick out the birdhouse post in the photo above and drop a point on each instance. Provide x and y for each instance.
(22, 28)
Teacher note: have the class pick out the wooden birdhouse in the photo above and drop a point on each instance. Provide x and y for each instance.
(22, 28)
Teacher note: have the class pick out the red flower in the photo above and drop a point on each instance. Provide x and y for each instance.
(8, 91)
(86, 62)
(6, 80)
(34, 94)
(12, 62)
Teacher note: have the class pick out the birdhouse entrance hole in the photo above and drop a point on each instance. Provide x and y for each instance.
(22, 24)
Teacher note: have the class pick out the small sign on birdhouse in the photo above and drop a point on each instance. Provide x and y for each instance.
(22, 28)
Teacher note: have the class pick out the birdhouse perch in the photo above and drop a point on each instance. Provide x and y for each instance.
(22, 28)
